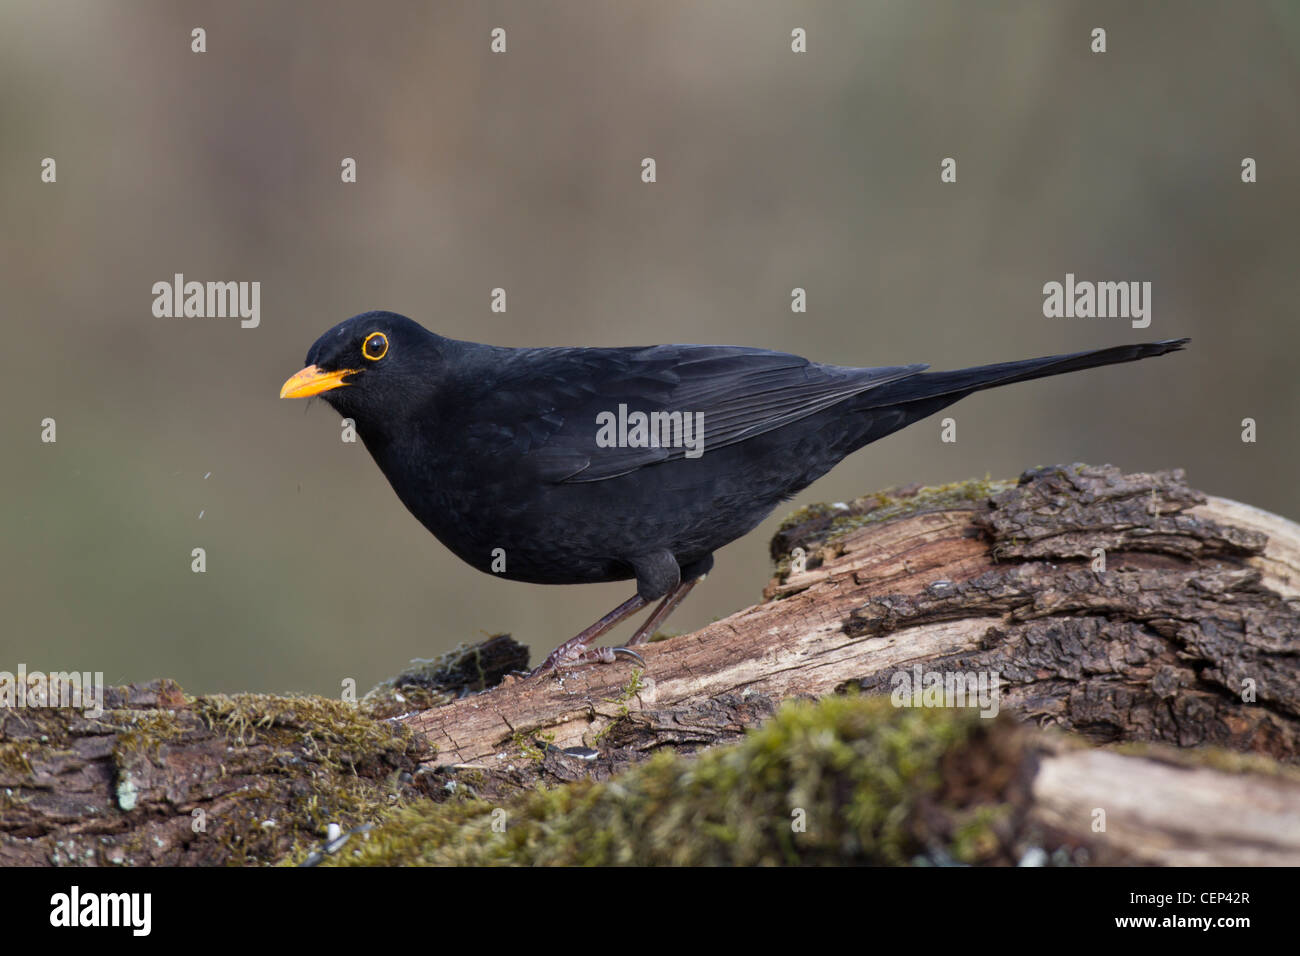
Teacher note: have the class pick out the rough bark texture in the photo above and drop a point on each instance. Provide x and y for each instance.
(1189, 636)
(163, 779)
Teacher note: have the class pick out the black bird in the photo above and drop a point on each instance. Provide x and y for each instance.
(578, 465)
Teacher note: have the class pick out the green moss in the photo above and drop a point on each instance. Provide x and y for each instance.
(335, 732)
(809, 513)
(146, 731)
(958, 494)
(14, 758)
(633, 687)
(330, 740)
(1213, 758)
(629, 691)
(325, 762)
(837, 781)
(527, 748)
(976, 837)
(878, 508)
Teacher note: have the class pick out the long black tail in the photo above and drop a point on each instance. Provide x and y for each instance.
(961, 382)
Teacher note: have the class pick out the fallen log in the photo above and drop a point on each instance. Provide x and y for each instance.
(1122, 608)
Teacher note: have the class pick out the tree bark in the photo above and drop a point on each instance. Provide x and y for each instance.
(1189, 636)
(1122, 608)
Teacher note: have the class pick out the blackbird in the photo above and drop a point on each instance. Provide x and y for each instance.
(577, 465)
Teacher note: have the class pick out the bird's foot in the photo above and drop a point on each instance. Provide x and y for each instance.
(580, 656)
(574, 651)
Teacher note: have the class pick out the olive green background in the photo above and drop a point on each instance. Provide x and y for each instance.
(522, 170)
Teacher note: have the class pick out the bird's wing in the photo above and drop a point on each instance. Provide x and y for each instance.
(543, 404)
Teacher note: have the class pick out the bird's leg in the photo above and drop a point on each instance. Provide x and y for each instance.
(666, 607)
(606, 655)
(572, 651)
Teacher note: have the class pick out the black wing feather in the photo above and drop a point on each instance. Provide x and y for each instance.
(742, 392)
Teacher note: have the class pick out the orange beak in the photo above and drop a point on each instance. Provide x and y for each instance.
(313, 380)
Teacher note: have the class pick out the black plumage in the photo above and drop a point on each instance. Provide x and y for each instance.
(497, 448)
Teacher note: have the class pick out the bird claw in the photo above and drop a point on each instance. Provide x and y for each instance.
(588, 655)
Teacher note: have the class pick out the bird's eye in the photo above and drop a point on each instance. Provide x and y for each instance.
(375, 347)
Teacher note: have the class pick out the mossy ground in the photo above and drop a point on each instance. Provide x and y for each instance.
(837, 781)
(345, 768)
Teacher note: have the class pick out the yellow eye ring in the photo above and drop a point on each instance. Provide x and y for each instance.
(375, 346)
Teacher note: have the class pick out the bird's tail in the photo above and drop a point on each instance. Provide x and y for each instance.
(958, 383)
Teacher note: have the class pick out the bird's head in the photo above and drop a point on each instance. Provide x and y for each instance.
(370, 361)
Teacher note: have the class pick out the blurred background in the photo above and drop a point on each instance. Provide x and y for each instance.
(522, 170)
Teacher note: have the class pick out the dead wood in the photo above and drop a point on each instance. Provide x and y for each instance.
(1122, 608)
